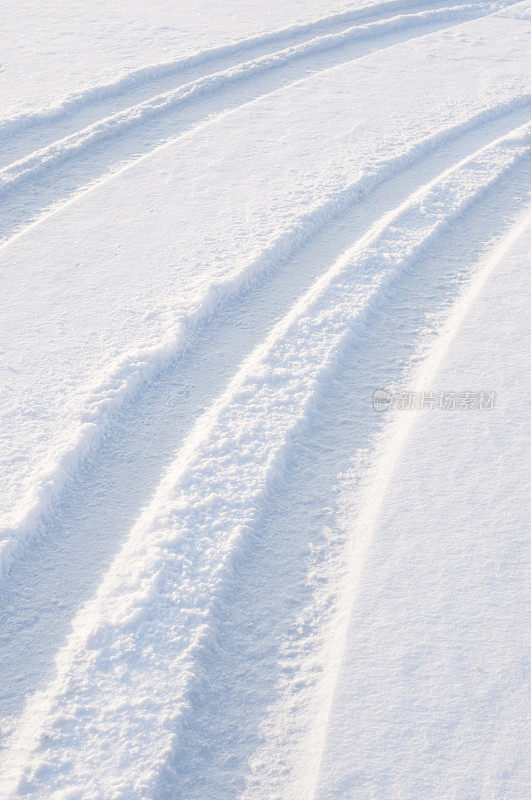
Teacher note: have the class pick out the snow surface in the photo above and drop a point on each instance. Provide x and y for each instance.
(223, 573)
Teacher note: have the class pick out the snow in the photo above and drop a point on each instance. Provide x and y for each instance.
(222, 572)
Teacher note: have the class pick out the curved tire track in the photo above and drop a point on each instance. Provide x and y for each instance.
(134, 370)
(388, 453)
(152, 80)
(271, 664)
(53, 173)
(165, 590)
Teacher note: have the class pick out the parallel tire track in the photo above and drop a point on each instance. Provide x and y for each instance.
(126, 376)
(98, 491)
(164, 592)
(146, 79)
(12, 175)
(297, 585)
(169, 589)
(79, 145)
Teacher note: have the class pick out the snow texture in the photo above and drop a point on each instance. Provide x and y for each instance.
(223, 571)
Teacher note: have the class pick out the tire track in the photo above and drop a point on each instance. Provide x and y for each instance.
(166, 587)
(79, 110)
(134, 370)
(57, 171)
(269, 663)
(388, 456)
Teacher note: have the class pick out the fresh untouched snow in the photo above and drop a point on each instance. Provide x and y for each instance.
(224, 570)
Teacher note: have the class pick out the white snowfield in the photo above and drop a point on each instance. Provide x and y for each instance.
(224, 572)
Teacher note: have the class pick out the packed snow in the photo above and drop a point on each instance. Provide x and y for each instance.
(264, 450)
